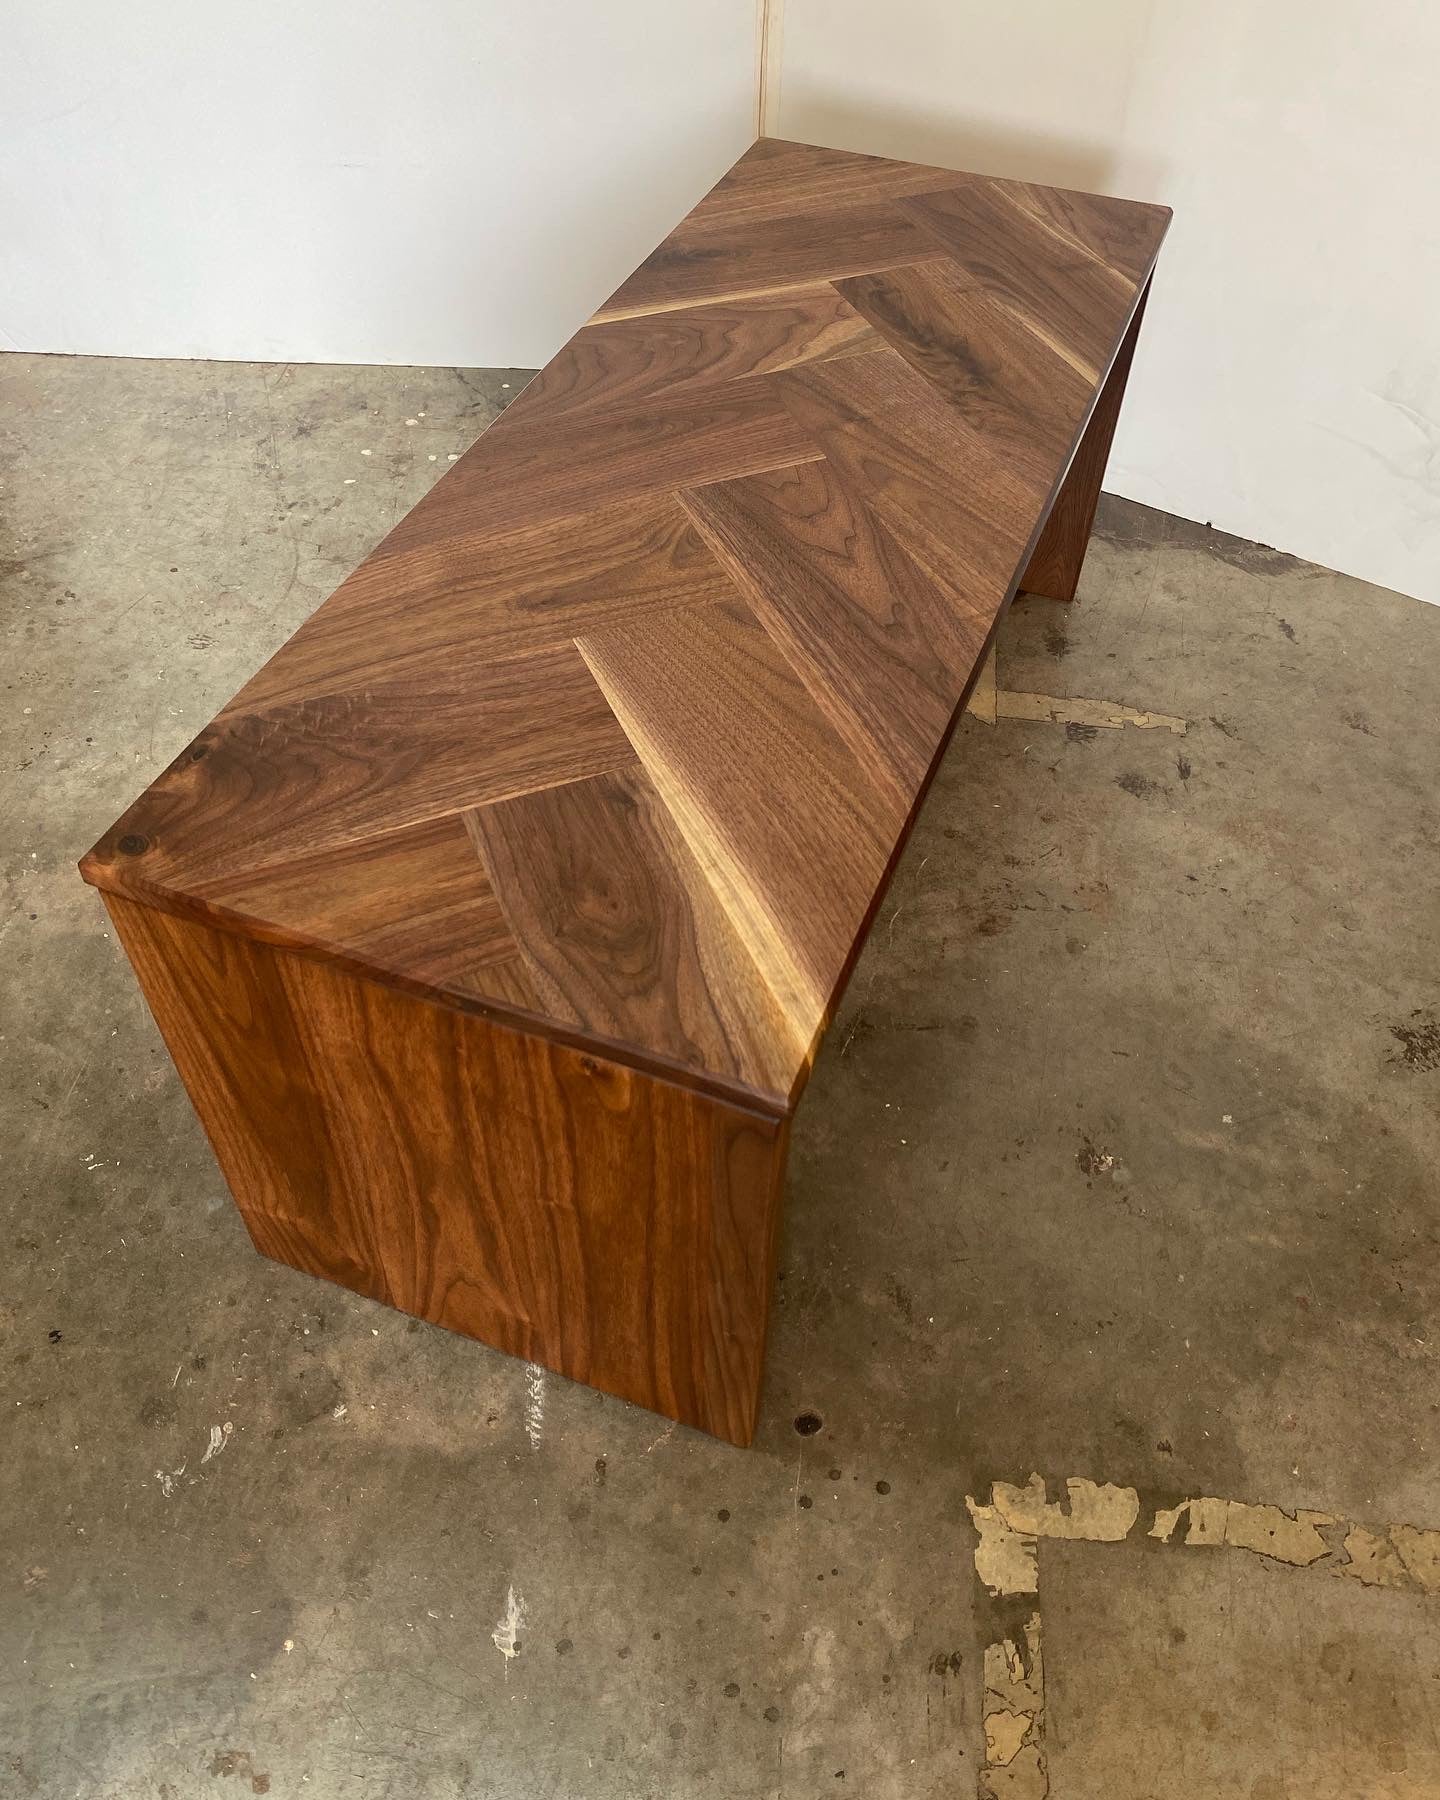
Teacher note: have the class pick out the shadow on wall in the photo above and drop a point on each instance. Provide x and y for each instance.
(847, 122)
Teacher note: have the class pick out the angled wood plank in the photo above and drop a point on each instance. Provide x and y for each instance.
(790, 829)
(1023, 399)
(620, 931)
(1066, 296)
(523, 474)
(960, 507)
(779, 177)
(413, 901)
(495, 923)
(258, 788)
(488, 595)
(1122, 233)
(883, 648)
(732, 258)
(621, 363)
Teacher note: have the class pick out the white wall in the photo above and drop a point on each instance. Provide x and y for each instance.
(449, 181)
(1288, 381)
(459, 181)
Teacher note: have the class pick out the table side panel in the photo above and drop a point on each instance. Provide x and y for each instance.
(615, 1228)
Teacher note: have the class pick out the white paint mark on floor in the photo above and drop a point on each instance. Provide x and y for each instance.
(219, 1438)
(506, 1635)
(534, 1404)
(664, 1438)
(168, 1480)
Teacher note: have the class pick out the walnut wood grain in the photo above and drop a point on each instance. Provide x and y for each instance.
(540, 855)
(1122, 233)
(527, 474)
(779, 178)
(957, 504)
(1017, 395)
(730, 259)
(413, 901)
(1053, 284)
(1053, 570)
(762, 788)
(260, 788)
(485, 596)
(625, 362)
(562, 1208)
(619, 929)
(883, 647)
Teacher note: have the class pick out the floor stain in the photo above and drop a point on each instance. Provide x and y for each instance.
(1143, 787)
(1093, 1160)
(1419, 1040)
(239, 1762)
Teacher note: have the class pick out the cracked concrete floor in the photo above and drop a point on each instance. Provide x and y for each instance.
(1120, 1163)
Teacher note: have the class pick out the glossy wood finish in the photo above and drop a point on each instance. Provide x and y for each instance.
(1053, 570)
(609, 748)
(563, 1208)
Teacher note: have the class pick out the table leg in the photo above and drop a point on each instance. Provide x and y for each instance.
(572, 1211)
(1054, 567)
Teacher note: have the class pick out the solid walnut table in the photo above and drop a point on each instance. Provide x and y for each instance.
(494, 925)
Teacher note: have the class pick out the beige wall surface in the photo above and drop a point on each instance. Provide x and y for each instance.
(1288, 381)
(362, 182)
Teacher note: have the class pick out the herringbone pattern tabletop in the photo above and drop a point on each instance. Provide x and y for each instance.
(618, 733)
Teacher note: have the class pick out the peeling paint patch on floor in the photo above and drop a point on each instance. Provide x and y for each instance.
(1004, 1558)
(1011, 1524)
(990, 702)
(981, 703)
(1095, 1512)
(1390, 1556)
(1267, 1530)
(1013, 1717)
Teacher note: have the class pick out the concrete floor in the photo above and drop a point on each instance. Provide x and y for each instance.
(1122, 1164)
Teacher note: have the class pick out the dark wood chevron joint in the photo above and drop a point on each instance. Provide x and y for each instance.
(495, 923)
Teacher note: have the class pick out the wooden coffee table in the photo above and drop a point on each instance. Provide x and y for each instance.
(493, 927)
